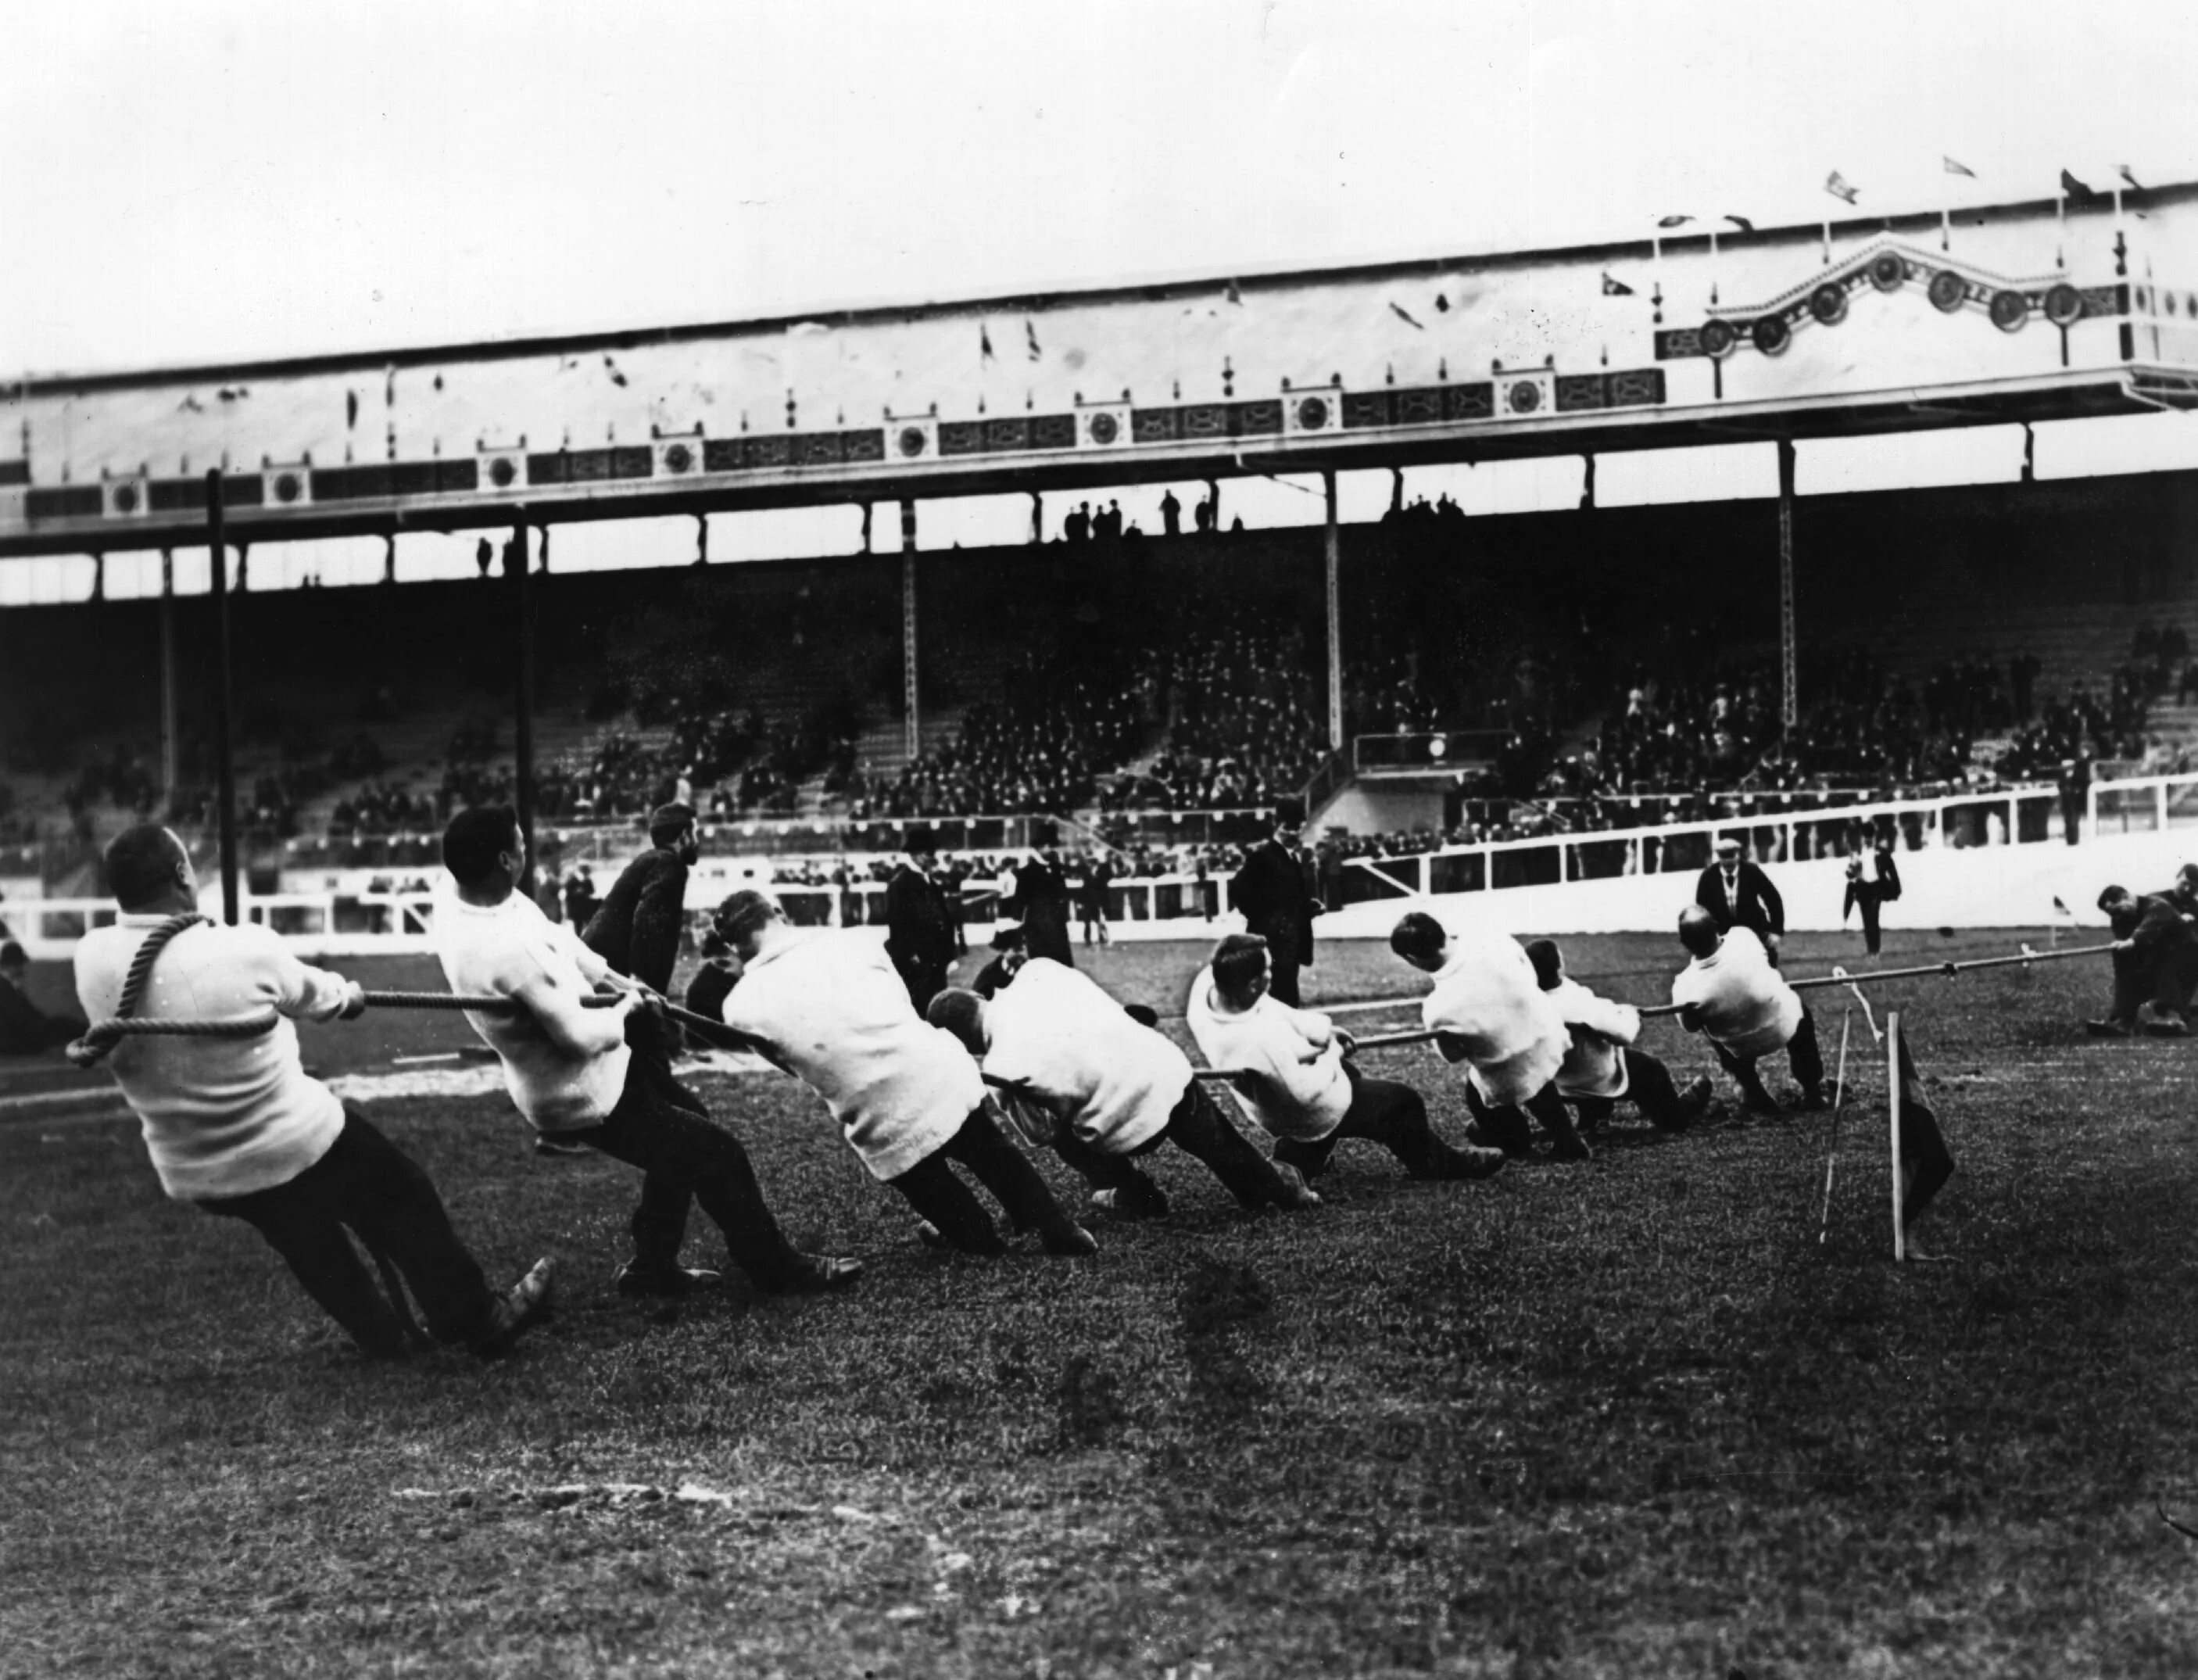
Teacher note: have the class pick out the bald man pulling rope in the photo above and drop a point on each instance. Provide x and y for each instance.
(235, 1126)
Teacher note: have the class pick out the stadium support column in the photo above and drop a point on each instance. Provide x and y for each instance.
(225, 766)
(912, 730)
(522, 698)
(1335, 554)
(1789, 701)
(171, 708)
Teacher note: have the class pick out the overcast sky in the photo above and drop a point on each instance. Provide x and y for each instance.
(205, 179)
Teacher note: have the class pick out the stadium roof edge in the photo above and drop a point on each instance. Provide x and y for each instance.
(1697, 234)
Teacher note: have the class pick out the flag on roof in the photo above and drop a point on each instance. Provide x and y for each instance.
(2076, 189)
(1740, 222)
(1613, 287)
(1673, 221)
(1955, 168)
(1030, 335)
(1836, 185)
(2123, 170)
(984, 343)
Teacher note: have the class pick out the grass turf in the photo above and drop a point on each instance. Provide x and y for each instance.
(1623, 1419)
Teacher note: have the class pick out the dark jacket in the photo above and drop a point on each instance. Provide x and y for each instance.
(637, 926)
(1274, 889)
(25, 1029)
(1041, 899)
(1886, 887)
(919, 926)
(2153, 926)
(1761, 908)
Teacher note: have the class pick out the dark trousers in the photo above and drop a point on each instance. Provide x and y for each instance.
(660, 1127)
(1093, 914)
(938, 1196)
(1505, 1127)
(365, 1184)
(1648, 1087)
(1868, 898)
(924, 977)
(1384, 1112)
(1803, 1055)
(1197, 1127)
(2161, 978)
(1282, 960)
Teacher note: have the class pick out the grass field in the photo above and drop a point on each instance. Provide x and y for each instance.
(1622, 1419)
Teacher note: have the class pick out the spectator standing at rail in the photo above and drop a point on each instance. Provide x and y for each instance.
(1873, 879)
(235, 1126)
(828, 1007)
(570, 1073)
(1092, 895)
(919, 933)
(1740, 895)
(1170, 514)
(1273, 890)
(580, 896)
(1041, 899)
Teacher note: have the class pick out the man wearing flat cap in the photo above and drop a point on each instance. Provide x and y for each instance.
(1738, 894)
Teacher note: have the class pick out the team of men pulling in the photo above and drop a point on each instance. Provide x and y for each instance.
(916, 1072)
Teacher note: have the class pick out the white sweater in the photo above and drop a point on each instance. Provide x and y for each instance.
(1746, 1005)
(1488, 995)
(1057, 1032)
(1601, 1030)
(222, 1117)
(1303, 1092)
(833, 1010)
(506, 950)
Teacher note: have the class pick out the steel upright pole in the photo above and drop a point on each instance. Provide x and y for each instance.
(522, 707)
(224, 762)
(1789, 704)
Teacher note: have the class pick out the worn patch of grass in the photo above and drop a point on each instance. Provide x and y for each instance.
(1625, 1419)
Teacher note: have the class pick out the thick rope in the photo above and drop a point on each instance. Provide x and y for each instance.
(100, 1040)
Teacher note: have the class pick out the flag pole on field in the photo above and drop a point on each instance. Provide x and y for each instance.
(1892, 1109)
(1839, 1101)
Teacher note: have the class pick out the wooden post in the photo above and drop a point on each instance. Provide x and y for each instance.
(224, 763)
(170, 704)
(1892, 1109)
(522, 709)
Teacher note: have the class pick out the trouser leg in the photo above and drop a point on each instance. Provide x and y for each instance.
(1744, 1074)
(388, 1199)
(1867, 902)
(1589, 1113)
(1547, 1106)
(948, 1205)
(1007, 1172)
(1649, 1082)
(660, 1217)
(1504, 1127)
(1136, 1195)
(1805, 1056)
(1395, 1116)
(1198, 1128)
(2134, 983)
(647, 1131)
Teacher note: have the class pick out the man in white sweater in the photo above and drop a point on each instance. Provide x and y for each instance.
(1603, 1064)
(1295, 1080)
(1488, 1011)
(1732, 995)
(569, 1069)
(828, 1006)
(1118, 1089)
(235, 1126)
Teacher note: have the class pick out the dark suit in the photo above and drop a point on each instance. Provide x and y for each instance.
(919, 934)
(1757, 906)
(636, 930)
(1274, 891)
(2160, 969)
(1870, 894)
(1041, 899)
(25, 1029)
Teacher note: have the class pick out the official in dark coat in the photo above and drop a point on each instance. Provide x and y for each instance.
(1873, 879)
(1740, 895)
(1092, 896)
(1274, 889)
(636, 929)
(919, 926)
(25, 1028)
(1041, 900)
(2156, 961)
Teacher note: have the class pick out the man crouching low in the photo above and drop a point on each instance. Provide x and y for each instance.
(1119, 1089)
(1603, 1066)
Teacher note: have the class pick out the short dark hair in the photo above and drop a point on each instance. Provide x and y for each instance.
(475, 839)
(12, 956)
(1549, 963)
(141, 863)
(741, 914)
(1238, 960)
(1417, 934)
(668, 822)
(1698, 930)
(2113, 895)
(961, 1012)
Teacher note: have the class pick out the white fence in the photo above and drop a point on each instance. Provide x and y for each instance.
(1977, 860)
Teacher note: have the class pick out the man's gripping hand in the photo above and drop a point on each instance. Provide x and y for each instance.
(354, 1001)
(1690, 1017)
